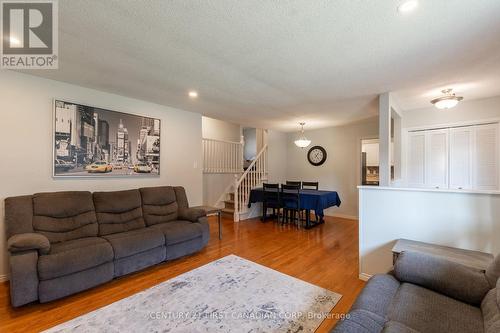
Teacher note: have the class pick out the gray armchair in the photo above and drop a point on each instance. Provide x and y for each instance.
(427, 294)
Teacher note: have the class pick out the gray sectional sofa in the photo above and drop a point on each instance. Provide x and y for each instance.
(61, 243)
(427, 294)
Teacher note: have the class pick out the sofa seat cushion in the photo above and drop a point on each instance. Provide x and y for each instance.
(128, 243)
(427, 311)
(179, 231)
(74, 256)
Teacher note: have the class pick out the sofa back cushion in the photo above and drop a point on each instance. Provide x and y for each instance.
(493, 271)
(63, 216)
(19, 215)
(180, 195)
(118, 211)
(159, 204)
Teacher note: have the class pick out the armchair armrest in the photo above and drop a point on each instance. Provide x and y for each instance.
(191, 214)
(443, 276)
(28, 241)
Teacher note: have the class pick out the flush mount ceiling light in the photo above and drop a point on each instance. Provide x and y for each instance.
(302, 141)
(448, 100)
(193, 94)
(408, 6)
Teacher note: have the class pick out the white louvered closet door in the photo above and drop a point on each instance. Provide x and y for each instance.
(416, 159)
(437, 158)
(486, 157)
(461, 157)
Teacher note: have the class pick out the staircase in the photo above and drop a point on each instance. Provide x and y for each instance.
(228, 209)
(254, 176)
(224, 157)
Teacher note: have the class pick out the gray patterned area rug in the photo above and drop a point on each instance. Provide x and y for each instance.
(231, 294)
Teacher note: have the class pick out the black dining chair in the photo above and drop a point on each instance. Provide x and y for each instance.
(310, 185)
(290, 202)
(271, 199)
(294, 182)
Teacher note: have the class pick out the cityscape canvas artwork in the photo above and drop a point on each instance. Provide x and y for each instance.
(94, 142)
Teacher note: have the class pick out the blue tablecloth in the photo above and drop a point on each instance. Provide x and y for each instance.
(309, 199)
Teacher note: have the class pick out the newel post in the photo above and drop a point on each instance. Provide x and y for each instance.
(236, 198)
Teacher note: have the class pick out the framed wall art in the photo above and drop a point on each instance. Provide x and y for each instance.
(95, 142)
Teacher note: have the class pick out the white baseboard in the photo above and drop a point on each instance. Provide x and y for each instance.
(4, 277)
(364, 276)
(345, 216)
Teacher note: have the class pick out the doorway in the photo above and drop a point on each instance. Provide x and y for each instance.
(370, 162)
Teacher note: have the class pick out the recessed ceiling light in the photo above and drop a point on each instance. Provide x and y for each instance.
(407, 6)
(14, 41)
(193, 94)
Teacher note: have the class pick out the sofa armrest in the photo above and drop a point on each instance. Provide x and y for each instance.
(443, 276)
(28, 241)
(360, 321)
(191, 214)
(23, 277)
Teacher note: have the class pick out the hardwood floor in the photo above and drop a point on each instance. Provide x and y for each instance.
(326, 256)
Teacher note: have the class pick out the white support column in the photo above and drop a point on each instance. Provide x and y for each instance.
(384, 170)
(397, 158)
(389, 134)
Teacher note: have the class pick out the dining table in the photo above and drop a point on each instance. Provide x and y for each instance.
(310, 200)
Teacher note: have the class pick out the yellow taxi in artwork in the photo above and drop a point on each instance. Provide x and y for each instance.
(142, 168)
(99, 166)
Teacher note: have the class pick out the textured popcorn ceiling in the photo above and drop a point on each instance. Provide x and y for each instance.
(273, 63)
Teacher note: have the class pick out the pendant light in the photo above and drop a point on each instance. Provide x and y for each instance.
(447, 101)
(302, 141)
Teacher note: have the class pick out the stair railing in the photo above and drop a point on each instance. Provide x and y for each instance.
(255, 175)
(221, 156)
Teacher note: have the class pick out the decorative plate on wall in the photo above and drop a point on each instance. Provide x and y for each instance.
(316, 155)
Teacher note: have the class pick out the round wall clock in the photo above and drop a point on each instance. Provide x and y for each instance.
(316, 155)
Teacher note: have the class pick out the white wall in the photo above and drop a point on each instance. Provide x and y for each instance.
(277, 156)
(220, 130)
(250, 148)
(214, 185)
(26, 142)
(466, 111)
(464, 220)
(342, 170)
